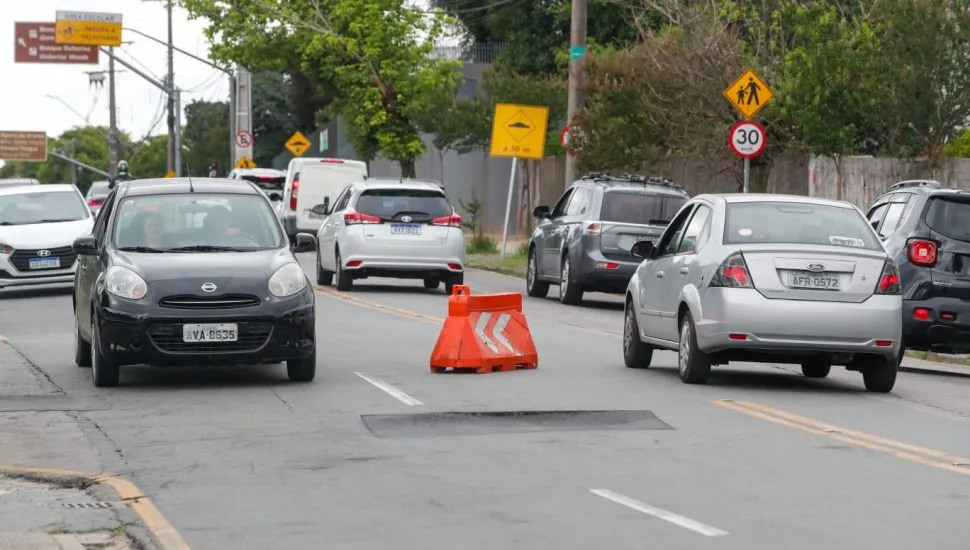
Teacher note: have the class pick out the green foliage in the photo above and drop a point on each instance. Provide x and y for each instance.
(205, 138)
(150, 159)
(481, 244)
(475, 211)
(90, 146)
(959, 147)
(274, 120)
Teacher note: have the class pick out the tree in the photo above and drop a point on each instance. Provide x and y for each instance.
(90, 146)
(273, 121)
(205, 138)
(441, 115)
(150, 159)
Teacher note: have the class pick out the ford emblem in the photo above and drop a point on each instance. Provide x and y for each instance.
(405, 219)
(209, 287)
(44, 253)
(816, 268)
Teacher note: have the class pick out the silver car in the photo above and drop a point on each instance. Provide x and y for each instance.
(771, 278)
(390, 228)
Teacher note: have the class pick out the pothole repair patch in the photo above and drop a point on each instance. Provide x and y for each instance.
(436, 424)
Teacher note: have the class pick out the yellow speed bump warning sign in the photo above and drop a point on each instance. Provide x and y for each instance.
(298, 144)
(519, 131)
(86, 28)
(170, 174)
(245, 162)
(749, 94)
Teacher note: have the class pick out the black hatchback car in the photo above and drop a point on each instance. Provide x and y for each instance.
(926, 229)
(583, 244)
(191, 272)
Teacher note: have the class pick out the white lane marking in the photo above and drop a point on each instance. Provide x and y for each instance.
(480, 327)
(390, 390)
(499, 332)
(659, 513)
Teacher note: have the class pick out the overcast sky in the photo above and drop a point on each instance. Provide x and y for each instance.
(24, 87)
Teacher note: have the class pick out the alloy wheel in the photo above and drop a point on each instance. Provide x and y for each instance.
(684, 356)
(530, 274)
(564, 277)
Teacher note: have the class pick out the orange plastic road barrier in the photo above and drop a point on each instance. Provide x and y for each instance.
(484, 332)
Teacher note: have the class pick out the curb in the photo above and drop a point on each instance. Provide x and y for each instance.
(936, 372)
(165, 535)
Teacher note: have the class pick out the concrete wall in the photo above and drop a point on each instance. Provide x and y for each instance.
(864, 178)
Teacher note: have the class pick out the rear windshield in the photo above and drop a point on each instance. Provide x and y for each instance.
(950, 218)
(797, 223)
(392, 204)
(267, 183)
(98, 190)
(642, 208)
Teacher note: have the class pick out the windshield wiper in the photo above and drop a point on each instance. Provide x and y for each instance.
(56, 220)
(144, 249)
(205, 248)
(7, 223)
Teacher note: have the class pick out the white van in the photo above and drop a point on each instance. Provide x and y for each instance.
(313, 181)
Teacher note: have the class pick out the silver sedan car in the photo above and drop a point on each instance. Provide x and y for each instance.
(768, 278)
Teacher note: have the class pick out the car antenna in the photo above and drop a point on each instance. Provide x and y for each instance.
(188, 174)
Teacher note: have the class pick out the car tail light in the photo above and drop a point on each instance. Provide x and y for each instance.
(94, 202)
(332, 161)
(884, 343)
(454, 267)
(607, 265)
(921, 252)
(889, 280)
(354, 263)
(453, 220)
(295, 193)
(921, 314)
(354, 218)
(732, 273)
(593, 228)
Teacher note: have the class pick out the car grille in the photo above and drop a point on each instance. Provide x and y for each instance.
(21, 258)
(168, 338)
(226, 301)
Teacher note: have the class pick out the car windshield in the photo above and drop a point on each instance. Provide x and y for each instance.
(196, 222)
(391, 204)
(99, 190)
(42, 207)
(639, 207)
(266, 183)
(797, 223)
(950, 218)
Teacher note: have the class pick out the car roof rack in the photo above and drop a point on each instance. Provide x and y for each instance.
(626, 177)
(932, 184)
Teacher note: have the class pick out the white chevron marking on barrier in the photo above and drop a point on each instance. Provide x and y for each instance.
(499, 331)
(480, 327)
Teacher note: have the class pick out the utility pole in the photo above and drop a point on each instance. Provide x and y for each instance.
(113, 142)
(577, 55)
(173, 161)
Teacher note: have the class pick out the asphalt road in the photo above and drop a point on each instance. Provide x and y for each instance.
(760, 458)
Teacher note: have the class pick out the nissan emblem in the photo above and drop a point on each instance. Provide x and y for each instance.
(209, 287)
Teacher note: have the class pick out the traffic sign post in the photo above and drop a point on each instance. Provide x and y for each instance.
(37, 43)
(244, 139)
(87, 28)
(749, 94)
(518, 131)
(747, 139)
(298, 144)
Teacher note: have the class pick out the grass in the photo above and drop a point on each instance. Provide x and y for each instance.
(514, 263)
(962, 360)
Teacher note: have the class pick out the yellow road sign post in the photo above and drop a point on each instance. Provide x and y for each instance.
(748, 94)
(170, 174)
(85, 28)
(298, 144)
(245, 162)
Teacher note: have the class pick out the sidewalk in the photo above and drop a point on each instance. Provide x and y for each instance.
(922, 366)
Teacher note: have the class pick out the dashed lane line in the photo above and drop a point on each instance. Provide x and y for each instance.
(659, 513)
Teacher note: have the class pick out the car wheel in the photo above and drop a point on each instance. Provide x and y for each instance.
(879, 374)
(569, 292)
(104, 373)
(636, 353)
(816, 369)
(533, 286)
(450, 283)
(302, 370)
(324, 277)
(345, 280)
(431, 283)
(82, 349)
(694, 365)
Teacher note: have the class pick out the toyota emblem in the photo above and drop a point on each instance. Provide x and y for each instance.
(405, 219)
(44, 253)
(816, 268)
(209, 287)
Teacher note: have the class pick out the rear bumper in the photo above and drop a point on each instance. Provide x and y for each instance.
(379, 260)
(598, 273)
(797, 325)
(936, 332)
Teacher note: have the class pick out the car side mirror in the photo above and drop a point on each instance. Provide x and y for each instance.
(321, 209)
(305, 242)
(275, 197)
(643, 249)
(85, 246)
(541, 212)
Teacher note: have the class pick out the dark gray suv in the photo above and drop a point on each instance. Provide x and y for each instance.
(583, 244)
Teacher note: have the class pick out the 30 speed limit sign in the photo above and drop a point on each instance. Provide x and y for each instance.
(747, 139)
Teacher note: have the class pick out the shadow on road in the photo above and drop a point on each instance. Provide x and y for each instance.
(203, 378)
(17, 294)
(726, 377)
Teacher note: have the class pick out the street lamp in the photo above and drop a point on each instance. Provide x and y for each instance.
(68, 105)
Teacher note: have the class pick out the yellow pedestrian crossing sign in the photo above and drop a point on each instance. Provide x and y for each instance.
(169, 174)
(298, 144)
(245, 162)
(749, 94)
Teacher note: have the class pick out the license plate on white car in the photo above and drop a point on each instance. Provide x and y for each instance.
(223, 332)
(405, 229)
(813, 281)
(45, 263)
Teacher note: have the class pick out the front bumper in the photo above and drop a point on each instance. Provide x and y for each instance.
(597, 273)
(132, 333)
(797, 325)
(15, 271)
(951, 333)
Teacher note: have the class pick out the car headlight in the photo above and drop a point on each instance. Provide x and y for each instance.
(125, 283)
(287, 281)
(5, 249)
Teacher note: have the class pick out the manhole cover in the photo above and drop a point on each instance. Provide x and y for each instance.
(389, 426)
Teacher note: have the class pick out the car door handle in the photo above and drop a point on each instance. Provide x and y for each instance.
(660, 274)
(683, 271)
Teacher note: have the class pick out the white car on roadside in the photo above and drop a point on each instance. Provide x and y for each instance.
(390, 228)
(38, 225)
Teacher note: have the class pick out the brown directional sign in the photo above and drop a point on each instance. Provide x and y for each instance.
(37, 43)
(26, 146)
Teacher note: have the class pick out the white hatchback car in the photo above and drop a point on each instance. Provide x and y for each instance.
(390, 228)
(38, 225)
